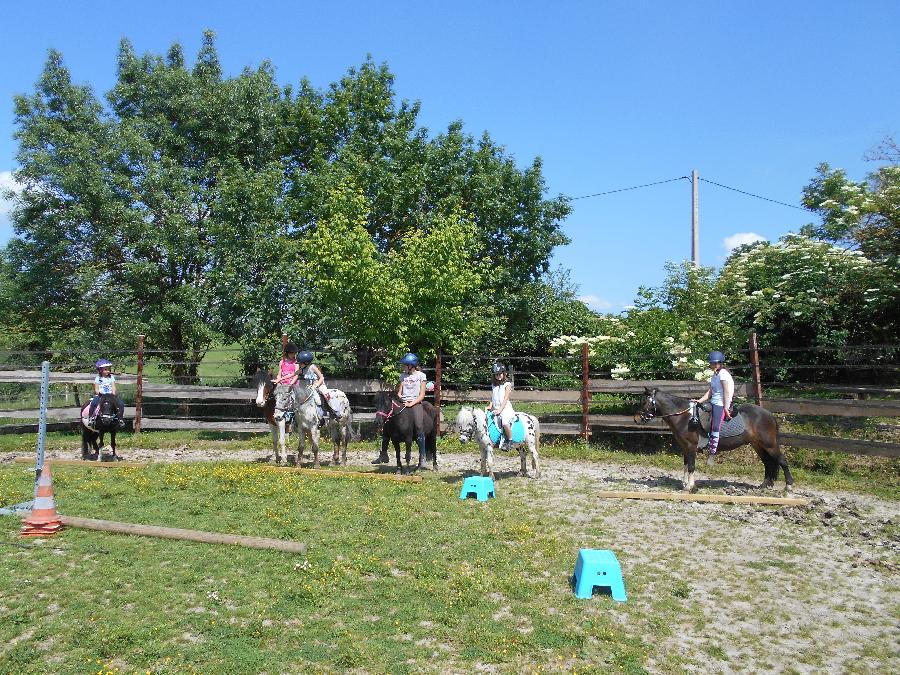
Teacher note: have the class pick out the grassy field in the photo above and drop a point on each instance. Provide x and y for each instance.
(398, 578)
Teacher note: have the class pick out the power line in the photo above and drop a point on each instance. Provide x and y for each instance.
(633, 187)
(750, 194)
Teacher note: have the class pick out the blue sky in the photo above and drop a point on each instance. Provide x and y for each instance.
(609, 94)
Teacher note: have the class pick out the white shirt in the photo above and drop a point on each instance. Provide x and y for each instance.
(411, 385)
(498, 393)
(105, 384)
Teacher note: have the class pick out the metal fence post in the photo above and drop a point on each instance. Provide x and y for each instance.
(585, 393)
(754, 363)
(42, 422)
(139, 386)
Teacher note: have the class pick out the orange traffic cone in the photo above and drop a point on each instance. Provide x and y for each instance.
(43, 520)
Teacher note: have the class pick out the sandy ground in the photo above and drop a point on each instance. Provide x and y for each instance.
(770, 589)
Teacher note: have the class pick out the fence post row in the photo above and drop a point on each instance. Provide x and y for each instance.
(754, 363)
(139, 386)
(585, 394)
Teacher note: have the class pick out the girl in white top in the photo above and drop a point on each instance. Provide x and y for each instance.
(720, 395)
(501, 390)
(411, 391)
(105, 383)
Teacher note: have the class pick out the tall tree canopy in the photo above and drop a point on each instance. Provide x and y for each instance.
(197, 208)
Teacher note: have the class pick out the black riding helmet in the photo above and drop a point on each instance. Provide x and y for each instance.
(498, 368)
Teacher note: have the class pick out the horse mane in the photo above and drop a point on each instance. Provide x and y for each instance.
(670, 399)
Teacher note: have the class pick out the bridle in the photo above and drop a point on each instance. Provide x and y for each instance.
(469, 432)
(653, 412)
(390, 413)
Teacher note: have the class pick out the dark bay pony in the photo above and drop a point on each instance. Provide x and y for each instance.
(106, 420)
(395, 423)
(761, 432)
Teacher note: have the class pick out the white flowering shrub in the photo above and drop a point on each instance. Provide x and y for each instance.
(797, 293)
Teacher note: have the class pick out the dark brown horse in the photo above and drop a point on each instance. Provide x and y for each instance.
(761, 432)
(395, 423)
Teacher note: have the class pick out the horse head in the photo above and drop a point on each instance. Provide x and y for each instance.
(284, 401)
(264, 386)
(385, 408)
(648, 408)
(107, 412)
(466, 423)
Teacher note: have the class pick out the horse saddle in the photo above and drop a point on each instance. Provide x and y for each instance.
(496, 435)
(700, 421)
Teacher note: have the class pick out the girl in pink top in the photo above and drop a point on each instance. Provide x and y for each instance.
(289, 369)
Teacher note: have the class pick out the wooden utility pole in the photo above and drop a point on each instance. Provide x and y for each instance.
(695, 218)
(585, 392)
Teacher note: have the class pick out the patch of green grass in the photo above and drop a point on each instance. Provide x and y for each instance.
(398, 578)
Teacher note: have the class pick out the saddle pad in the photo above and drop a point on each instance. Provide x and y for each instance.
(85, 420)
(518, 430)
(733, 427)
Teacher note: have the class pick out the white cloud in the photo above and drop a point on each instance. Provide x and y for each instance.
(741, 238)
(7, 182)
(596, 303)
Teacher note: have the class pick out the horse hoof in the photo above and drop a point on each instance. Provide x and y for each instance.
(537, 475)
(316, 465)
(399, 472)
(523, 474)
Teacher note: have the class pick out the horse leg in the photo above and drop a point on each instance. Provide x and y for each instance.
(301, 445)
(281, 448)
(397, 452)
(690, 465)
(112, 443)
(783, 463)
(487, 451)
(523, 462)
(314, 442)
(100, 446)
(535, 461)
(767, 461)
(84, 441)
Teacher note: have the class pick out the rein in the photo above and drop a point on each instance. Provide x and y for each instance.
(647, 415)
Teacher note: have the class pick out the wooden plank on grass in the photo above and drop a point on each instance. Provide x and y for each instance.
(184, 535)
(851, 445)
(838, 408)
(353, 474)
(692, 497)
(86, 463)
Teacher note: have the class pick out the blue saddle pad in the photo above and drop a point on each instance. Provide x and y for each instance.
(518, 430)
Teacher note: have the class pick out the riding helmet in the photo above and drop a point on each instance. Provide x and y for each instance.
(103, 363)
(716, 357)
(409, 359)
(305, 357)
(498, 368)
(290, 348)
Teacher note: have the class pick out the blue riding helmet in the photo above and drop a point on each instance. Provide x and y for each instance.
(716, 357)
(305, 357)
(409, 359)
(103, 363)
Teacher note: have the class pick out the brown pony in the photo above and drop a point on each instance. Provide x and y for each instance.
(761, 432)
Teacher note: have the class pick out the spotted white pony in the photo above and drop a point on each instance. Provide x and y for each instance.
(472, 423)
(282, 407)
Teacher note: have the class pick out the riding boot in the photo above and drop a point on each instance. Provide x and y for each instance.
(713, 446)
(420, 441)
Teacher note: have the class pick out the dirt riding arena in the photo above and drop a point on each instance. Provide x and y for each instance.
(767, 589)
